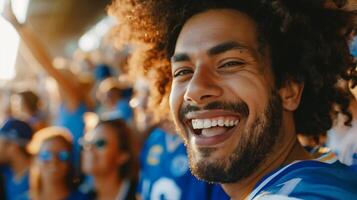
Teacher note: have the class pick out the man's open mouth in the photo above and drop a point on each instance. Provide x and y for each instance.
(213, 127)
(208, 131)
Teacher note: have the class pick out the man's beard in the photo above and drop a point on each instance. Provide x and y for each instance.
(256, 142)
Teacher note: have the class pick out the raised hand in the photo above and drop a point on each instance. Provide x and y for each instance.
(8, 13)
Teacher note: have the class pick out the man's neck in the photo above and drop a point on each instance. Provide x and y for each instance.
(107, 187)
(287, 150)
(20, 165)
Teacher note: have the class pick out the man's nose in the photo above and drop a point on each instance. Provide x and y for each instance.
(203, 87)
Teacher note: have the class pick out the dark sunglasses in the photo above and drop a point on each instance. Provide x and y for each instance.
(47, 156)
(98, 144)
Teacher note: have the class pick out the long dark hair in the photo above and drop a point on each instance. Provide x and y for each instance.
(126, 144)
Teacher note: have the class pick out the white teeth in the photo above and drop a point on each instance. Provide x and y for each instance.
(214, 122)
(210, 133)
(199, 124)
(208, 123)
(231, 123)
(220, 122)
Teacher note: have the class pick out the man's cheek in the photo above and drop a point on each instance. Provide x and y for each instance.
(175, 100)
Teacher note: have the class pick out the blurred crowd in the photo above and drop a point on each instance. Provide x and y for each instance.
(93, 135)
(88, 133)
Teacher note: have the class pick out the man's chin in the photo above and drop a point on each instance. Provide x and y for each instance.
(213, 172)
(206, 167)
(210, 165)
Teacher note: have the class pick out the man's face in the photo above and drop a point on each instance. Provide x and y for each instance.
(223, 97)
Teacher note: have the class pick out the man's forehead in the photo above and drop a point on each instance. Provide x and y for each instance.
(215, 50)
(213, 27)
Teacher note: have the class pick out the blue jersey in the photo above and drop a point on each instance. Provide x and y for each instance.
(77, 195)
(311, 179)
(165, 173)
(15, 189)
(74, 122)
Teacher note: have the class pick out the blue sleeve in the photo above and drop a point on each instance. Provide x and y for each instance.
(334, 182)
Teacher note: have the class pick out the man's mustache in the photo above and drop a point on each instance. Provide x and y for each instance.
(240, 108)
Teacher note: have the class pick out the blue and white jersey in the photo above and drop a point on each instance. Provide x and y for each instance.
(325, 178)
(165, 174)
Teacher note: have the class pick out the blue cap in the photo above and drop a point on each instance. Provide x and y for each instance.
(17, 131)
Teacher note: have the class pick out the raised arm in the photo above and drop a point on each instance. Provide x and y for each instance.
(74, 94)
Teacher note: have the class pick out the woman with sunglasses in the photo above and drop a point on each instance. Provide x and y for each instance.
(52, 172)
(108, 159)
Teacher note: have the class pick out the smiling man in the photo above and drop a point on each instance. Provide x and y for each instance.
(242, 78)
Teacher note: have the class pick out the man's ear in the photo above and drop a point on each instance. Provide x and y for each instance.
(290, 94)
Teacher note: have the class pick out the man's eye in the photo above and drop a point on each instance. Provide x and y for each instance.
(231, 64)
(182, 72)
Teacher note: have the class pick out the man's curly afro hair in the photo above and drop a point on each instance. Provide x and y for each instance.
(307, 39)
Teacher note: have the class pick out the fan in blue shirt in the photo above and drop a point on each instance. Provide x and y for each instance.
(165, 174)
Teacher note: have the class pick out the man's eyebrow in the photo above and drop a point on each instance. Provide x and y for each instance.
(226, 46)
(218, 49)
(180, 57)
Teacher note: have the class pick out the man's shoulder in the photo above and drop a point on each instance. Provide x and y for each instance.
(310, 179)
